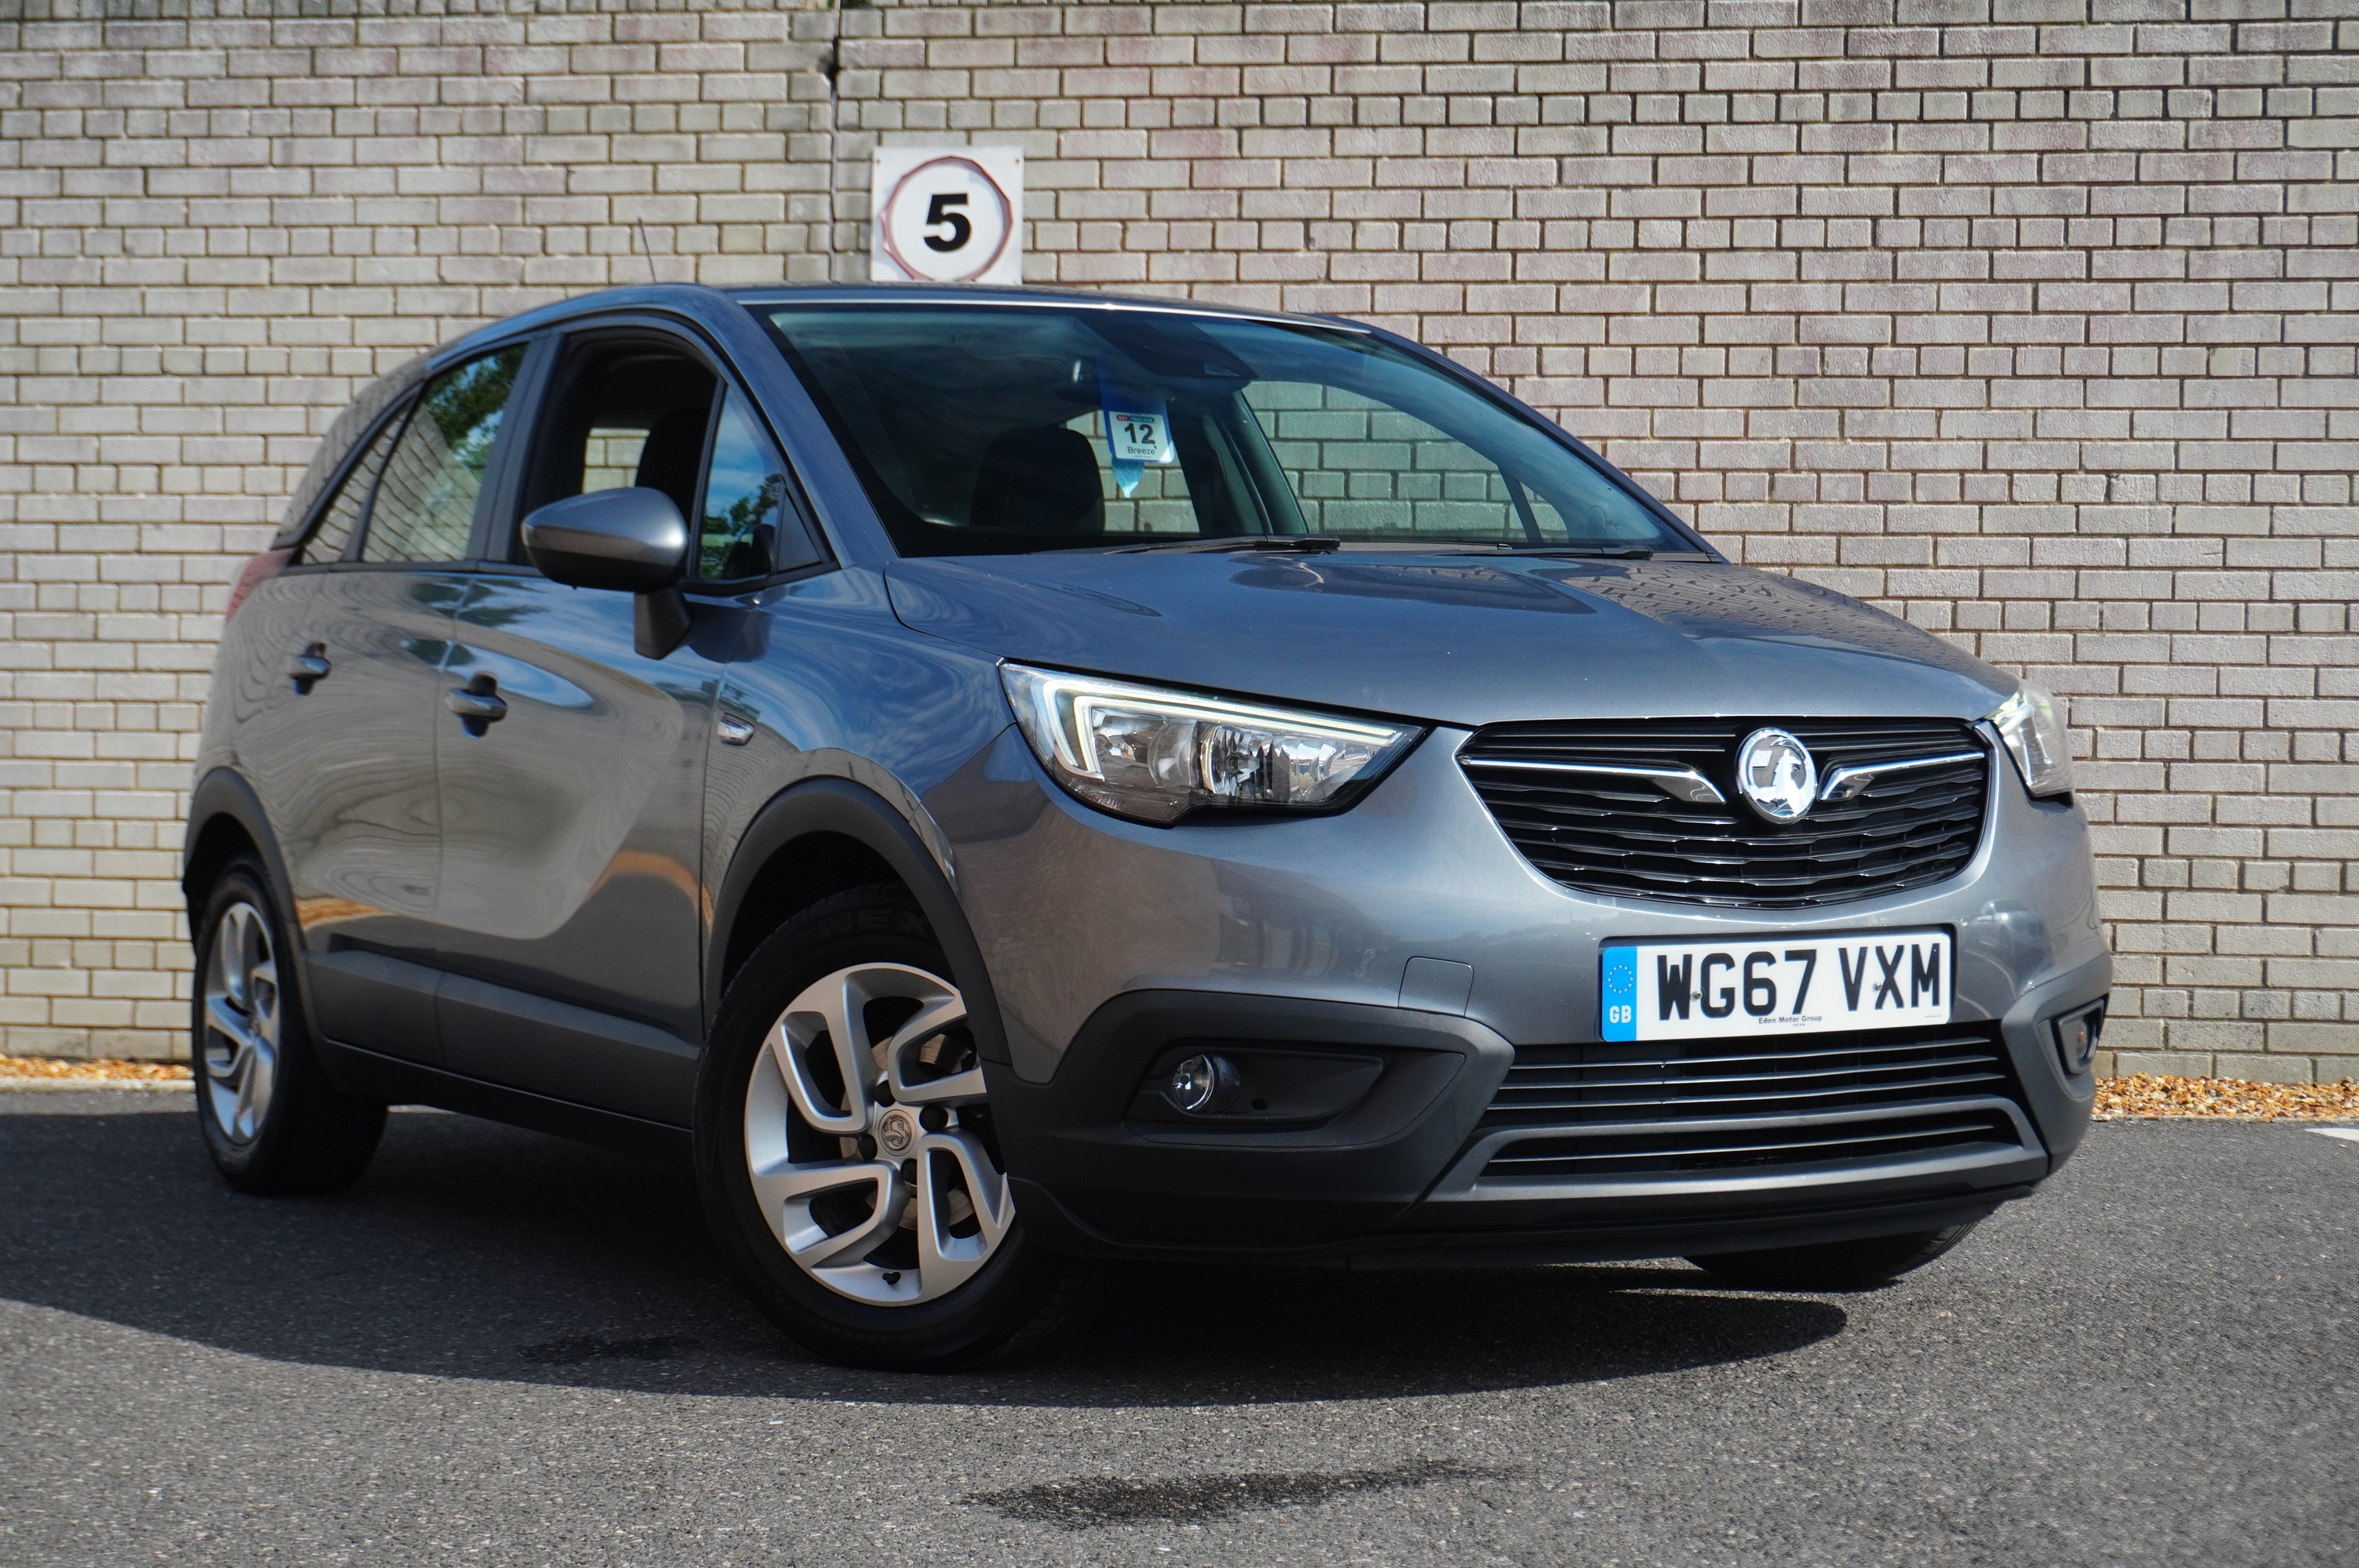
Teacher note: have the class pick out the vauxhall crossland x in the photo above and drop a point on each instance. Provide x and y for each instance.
(1004, 781)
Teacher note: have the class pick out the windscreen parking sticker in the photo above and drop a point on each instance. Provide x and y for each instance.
(1137, 430)
(1785, 985)
(1139, 438)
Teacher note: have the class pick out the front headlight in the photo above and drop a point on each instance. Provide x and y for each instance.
(2032, 725)
(1156, 755)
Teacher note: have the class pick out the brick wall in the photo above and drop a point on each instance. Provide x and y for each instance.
(2032, 321)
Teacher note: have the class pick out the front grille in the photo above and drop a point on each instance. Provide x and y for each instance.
(1613, 834)
(1696, 1105)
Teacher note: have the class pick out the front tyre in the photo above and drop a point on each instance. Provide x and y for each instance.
(846, 1155)
(1834, 1265)
(270, 1119)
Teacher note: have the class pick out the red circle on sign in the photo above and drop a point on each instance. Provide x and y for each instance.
(1006, 221)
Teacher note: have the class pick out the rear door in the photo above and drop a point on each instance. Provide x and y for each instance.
(572, 914)
(345, 761)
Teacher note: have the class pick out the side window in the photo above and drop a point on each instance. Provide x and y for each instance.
(747, 529)
(624, 414)
(344, 514)
(609, 457)
(425, 508)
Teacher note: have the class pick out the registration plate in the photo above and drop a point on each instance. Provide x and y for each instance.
(1782, 985)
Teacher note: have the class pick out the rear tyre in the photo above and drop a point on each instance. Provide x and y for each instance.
(270, 1120)
(1834, 1265)
(847, 1159)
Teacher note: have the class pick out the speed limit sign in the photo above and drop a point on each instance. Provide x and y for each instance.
(949, 214)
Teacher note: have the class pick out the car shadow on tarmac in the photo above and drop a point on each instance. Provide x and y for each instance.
(475, 1251)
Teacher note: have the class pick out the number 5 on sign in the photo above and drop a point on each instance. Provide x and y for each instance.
(947, 214)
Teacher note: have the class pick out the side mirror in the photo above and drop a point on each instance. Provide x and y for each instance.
(634, 540)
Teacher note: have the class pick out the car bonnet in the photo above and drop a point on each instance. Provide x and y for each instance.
(1453, 638)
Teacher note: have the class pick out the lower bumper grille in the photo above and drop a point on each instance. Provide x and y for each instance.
(1718, 1148)
(1714, 1104)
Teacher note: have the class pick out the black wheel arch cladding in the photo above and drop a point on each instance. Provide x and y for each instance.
(841, 808)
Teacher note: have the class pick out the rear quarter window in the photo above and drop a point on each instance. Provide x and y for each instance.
(333, 532)
(363, 415)
(425, 504)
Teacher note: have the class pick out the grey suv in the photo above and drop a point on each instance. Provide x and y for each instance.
(1004, 781)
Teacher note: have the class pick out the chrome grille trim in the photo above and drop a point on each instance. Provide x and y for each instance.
(1680, 783)
(1856, 778)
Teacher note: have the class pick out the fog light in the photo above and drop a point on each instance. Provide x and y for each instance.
(2077, 1035)
(1203, 1085)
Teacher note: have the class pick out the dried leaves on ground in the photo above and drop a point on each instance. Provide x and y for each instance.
(96, 1069)
(2147, 1094)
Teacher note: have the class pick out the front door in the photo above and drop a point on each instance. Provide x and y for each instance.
(572, 911)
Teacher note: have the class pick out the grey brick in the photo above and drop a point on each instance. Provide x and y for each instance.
(2032, 316)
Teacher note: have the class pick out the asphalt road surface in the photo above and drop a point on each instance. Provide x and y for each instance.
(500, 1348)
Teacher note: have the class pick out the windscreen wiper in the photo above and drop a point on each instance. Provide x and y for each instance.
(1605, 552)
(1288, 544)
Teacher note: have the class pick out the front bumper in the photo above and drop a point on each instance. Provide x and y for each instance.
(1406, 946)
(1404, 1174)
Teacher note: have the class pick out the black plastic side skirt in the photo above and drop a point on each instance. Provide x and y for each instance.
(398, 1082)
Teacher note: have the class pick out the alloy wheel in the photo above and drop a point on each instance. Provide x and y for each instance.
(241, 1035)
(868, 1141)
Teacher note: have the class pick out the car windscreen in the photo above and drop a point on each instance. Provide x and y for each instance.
(991, 429)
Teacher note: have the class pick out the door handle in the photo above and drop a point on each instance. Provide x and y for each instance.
(308, 668)
(477, 704)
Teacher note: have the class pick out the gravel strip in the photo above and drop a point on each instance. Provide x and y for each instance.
(2147, 1095)
(110, 1071)
(12, 1085)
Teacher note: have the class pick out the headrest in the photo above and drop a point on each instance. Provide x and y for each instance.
(675, 450)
